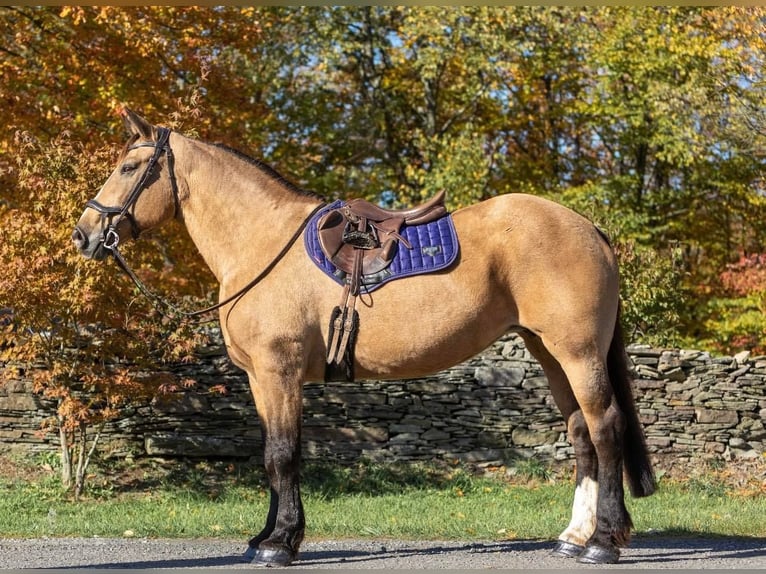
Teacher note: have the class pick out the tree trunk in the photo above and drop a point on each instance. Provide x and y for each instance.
(84, 455)
(66, 457)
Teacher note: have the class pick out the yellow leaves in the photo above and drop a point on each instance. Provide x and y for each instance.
(75, 13)
(103, 14)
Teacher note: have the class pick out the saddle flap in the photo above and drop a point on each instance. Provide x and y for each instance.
(330, 229)
(333, 234)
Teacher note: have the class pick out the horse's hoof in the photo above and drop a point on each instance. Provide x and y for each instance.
(599, 555)
(270, 556)
(250, 553)
(567, 549)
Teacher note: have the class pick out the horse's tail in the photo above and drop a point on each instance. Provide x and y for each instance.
(638, 468)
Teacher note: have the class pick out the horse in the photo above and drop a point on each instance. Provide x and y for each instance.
(525, 264)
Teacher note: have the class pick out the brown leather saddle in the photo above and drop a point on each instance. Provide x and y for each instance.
(361, 230)
(361, 239)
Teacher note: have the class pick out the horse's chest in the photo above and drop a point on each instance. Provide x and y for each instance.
(238, 357)
(236, 351)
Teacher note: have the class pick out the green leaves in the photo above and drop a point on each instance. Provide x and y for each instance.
(649, 120)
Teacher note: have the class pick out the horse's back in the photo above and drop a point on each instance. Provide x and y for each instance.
(531, 239)
(529, 224)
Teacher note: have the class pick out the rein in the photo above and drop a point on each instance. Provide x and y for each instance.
(111, 217)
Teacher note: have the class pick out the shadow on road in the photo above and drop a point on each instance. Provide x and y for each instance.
(351, 557)
(337, 558)
(689, 545)
(686, 549)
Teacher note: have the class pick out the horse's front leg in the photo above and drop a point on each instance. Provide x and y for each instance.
(279, 403)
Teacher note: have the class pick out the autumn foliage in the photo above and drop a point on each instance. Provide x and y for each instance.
(91, 343)
(649, 120)
(748, 275)
(736, 313)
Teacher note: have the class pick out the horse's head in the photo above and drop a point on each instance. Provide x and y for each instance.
(136, 197)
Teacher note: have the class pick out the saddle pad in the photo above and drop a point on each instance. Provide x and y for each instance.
(434, 247)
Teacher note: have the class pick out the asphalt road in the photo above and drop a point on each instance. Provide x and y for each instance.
(645, 552)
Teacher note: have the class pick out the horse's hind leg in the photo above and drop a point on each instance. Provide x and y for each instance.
(583, 522)
(584, 508)
(604, 424)
(279, 404)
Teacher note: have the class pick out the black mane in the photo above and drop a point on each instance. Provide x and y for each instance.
(269, 171)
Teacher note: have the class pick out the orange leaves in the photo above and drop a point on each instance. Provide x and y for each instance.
(746, 276)
(91, 342)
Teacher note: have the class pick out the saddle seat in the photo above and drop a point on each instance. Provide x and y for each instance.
(423, 213)
(361, 238)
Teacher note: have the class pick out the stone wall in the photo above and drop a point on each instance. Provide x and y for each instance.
(489, 409)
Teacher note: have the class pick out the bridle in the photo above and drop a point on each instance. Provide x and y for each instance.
(111, 216)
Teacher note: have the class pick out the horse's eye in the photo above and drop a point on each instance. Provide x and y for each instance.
(128, 168)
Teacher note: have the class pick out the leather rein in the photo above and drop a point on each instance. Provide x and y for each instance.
(111, 216)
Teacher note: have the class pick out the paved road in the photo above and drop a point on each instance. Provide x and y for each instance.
(645, 552)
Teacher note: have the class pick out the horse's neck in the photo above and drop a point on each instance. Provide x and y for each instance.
(238, 216)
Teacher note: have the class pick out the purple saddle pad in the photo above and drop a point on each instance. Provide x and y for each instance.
(434, 247)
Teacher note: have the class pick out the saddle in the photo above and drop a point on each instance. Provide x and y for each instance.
(361, 233)
(361, 239)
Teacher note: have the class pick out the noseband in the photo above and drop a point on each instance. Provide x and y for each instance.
(111, 216)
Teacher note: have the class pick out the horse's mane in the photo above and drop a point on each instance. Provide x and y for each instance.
(269, 171)
(262, 166)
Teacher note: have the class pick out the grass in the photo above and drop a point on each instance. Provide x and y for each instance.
(155, 499)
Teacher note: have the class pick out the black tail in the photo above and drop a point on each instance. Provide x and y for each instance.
(638, 468)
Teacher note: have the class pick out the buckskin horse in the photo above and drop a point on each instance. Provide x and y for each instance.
(525, 264)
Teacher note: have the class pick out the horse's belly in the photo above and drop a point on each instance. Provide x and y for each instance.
(428, 329)
(405, 361)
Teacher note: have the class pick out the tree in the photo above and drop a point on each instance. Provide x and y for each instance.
(85, 337)
(733, 312)
(647, 119)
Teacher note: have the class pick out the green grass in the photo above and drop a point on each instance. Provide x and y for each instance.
(366, 500)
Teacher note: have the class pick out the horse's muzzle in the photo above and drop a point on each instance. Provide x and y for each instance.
(87, 247)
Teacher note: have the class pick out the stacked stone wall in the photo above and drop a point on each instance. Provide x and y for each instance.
(488, 410)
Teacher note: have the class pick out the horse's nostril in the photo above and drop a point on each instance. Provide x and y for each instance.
(79, 239)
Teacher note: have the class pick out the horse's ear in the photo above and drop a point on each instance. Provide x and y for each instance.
(136, 125)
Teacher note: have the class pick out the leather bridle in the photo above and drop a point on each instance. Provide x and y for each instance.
(111, 216)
